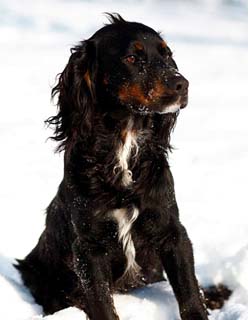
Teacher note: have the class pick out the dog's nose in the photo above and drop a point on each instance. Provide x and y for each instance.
(178, 83)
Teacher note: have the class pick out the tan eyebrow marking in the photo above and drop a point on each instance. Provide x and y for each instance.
(138, 45)
(163, 44)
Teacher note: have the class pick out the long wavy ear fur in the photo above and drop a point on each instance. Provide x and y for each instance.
(75, 92)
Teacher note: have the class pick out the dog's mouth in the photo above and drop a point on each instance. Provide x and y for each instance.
(155, 101)
(175, 103)
(165, 104)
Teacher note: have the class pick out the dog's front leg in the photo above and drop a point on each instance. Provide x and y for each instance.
(178, 261)
(93, 271)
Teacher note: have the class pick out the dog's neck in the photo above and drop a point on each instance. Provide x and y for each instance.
(153, 126)
(128, 142)
(120, 145)
(133, 140)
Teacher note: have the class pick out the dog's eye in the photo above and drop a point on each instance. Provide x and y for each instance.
(130, 59)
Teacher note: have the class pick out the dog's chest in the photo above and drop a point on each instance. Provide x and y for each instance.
(125, 217)
(130, 159)
(127, 148)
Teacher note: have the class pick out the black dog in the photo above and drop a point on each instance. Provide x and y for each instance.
(114, 223)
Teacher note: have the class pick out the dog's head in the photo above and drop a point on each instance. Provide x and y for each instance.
(136, 69)
(124, 66)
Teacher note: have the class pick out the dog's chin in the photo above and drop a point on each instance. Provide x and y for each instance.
(170, 107)
(175, 106)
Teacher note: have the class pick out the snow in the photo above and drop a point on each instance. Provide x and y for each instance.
(209, 164)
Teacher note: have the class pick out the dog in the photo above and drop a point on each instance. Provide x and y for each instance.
(114, 224)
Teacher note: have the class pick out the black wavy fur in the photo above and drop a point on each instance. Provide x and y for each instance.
(118, 82)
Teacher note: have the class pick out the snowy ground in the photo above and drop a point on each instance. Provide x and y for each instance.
(210, 43)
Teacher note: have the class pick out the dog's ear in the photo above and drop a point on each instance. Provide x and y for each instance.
(76, 96)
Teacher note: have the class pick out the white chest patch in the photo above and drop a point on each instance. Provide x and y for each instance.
(123, 155)
(125, 221)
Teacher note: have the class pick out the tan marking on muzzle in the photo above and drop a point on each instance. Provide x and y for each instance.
(157, 91)
(133, 92)
(127, 93)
